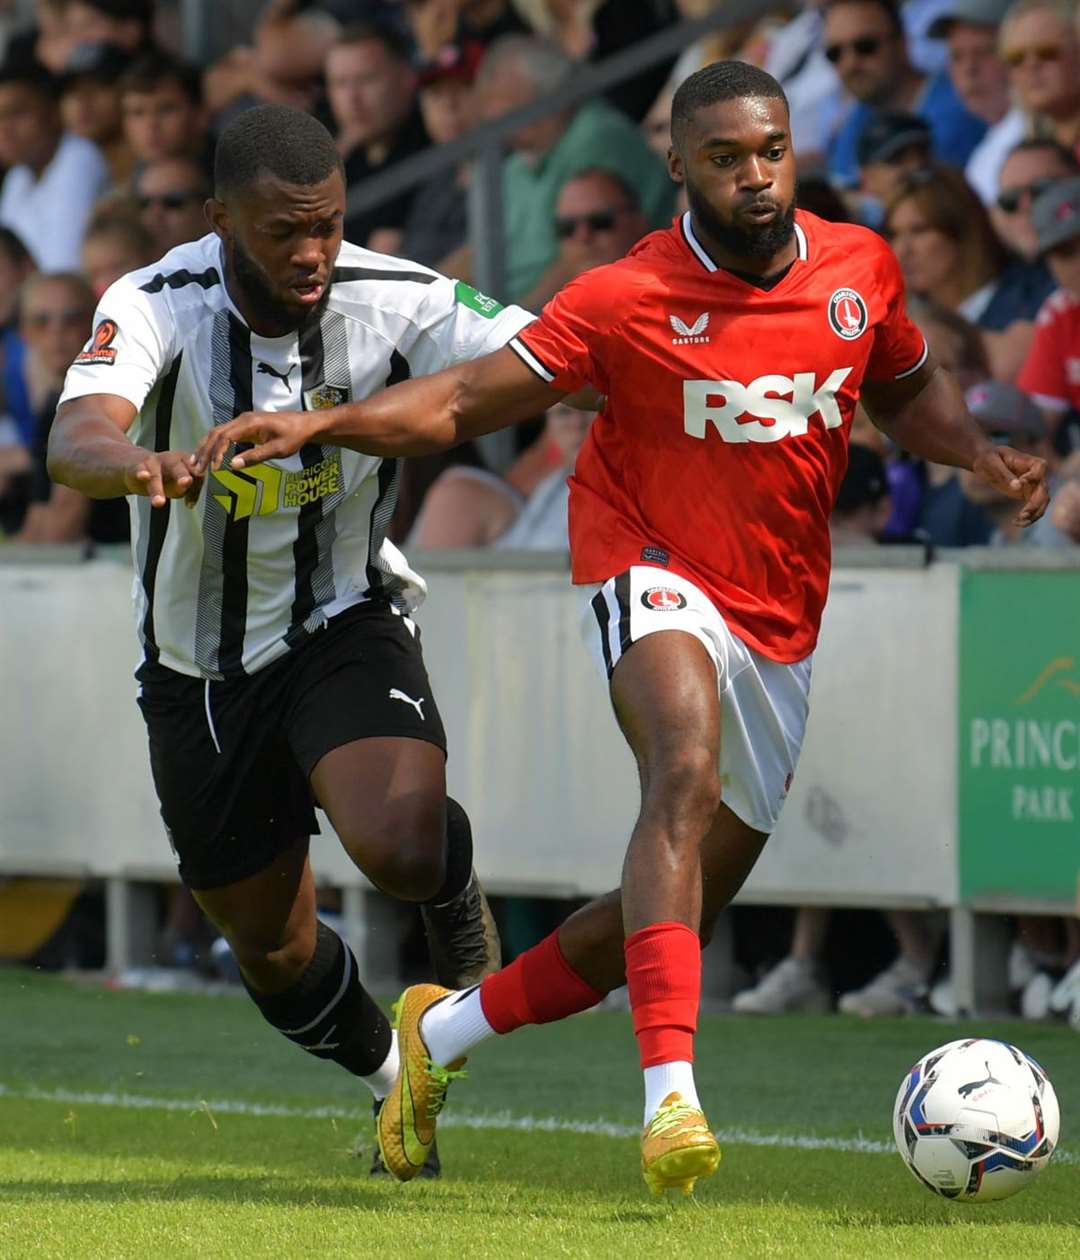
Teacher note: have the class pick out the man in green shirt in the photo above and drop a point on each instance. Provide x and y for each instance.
(517, 70)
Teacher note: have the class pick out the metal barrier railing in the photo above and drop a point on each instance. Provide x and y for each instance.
(485, 145)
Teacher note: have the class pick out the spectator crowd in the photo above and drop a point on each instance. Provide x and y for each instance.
(952, 127)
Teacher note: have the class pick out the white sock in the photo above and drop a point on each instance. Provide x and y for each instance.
(665, 1078)
(382, 1079)
(453, 1026)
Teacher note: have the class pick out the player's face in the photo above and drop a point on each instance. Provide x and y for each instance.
(281, 242)
(736, 163)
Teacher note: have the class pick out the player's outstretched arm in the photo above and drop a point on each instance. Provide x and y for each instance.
(926, 415)
(89, 450)
(417, 417)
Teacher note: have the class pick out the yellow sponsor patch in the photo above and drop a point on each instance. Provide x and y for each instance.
(263, 489)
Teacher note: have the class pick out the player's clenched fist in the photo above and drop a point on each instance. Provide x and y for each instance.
(274, 434)
(161, 476)
(1017, 474)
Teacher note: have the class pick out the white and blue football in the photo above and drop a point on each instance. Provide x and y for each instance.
(976, 1120)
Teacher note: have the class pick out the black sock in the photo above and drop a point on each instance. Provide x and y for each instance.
(459, 854)
(328, 1012)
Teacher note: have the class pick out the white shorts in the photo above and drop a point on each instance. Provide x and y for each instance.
(763, 703)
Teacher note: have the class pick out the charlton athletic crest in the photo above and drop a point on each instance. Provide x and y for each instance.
(847, 314)
(663, 599)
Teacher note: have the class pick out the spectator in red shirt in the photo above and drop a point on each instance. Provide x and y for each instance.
(1051, 371)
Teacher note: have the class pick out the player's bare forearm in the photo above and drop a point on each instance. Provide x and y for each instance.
(433, 413)
(927, 416)
(90, 453)
(89, 450)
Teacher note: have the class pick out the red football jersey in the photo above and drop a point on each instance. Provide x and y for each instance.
(723, 441)
(1051, 371)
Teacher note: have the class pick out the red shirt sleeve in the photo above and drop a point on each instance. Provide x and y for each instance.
(566, 344)
(1043, 373)
(899, 347)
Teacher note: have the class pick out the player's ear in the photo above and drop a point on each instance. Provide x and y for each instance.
(217, 215)
(675, 165)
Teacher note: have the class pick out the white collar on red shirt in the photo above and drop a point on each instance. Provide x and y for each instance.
(703, 256)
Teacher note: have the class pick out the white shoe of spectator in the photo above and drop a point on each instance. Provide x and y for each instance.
(1035, 996)
(792, 985)
(1065, 998)
(943, 998)
(900, 989)
(1022, 968)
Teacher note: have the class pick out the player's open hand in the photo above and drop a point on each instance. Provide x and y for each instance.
(1018, 475)
(274, 435)
(163, 475)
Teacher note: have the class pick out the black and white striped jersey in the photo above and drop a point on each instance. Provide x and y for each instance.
(271, 552)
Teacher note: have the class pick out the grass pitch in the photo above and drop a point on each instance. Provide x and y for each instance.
(176, 1126)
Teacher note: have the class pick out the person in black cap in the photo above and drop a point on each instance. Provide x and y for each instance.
(890, 145)
(90, 103)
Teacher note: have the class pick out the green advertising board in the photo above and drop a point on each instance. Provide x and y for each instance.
(1019, 746)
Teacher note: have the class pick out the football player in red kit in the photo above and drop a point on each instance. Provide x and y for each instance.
(731, 350)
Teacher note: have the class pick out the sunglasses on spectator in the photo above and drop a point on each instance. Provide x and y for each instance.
(863, 46)
(169, 200)
(72, 317)
(1012, 199)
(1044, 52)
(597, 221)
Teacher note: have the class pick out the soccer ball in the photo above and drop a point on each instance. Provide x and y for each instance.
(976, 1120)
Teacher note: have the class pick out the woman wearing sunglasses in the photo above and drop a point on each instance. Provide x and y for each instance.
(950, 253)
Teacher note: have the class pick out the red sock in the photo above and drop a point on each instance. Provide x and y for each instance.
(538, 987)
(663, 973)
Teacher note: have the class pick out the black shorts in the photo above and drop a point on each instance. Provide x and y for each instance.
(232, 760)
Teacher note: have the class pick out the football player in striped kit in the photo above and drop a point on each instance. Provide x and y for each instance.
(281, 665)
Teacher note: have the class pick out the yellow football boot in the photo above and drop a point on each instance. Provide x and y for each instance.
(406, 1120)
(677, 1147)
